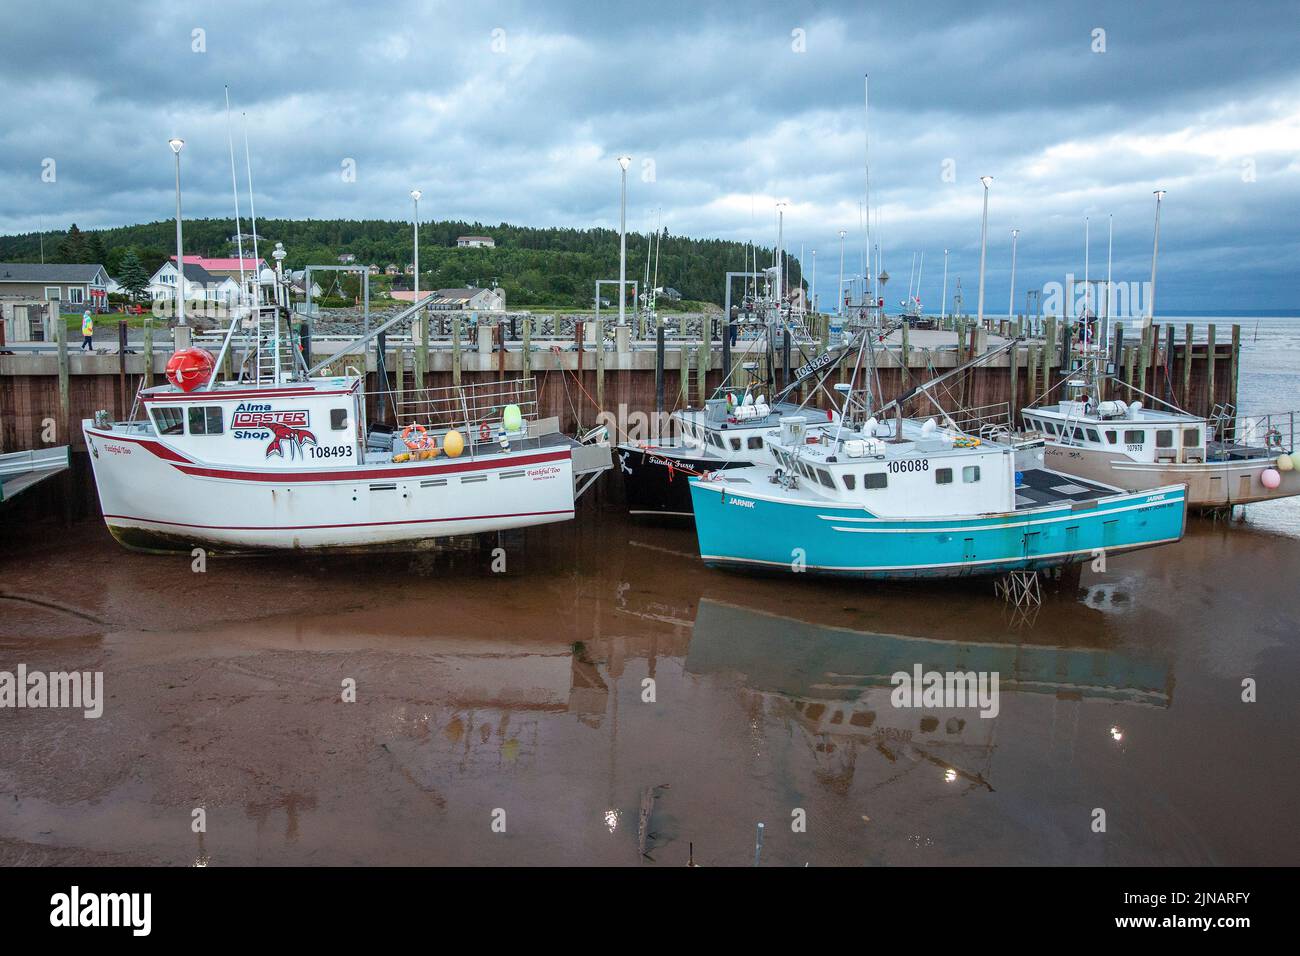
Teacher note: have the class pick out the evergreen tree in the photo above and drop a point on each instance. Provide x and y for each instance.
(134, 277)
(72, 248)
(95, 248)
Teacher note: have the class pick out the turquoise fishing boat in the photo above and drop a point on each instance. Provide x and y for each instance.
(904, 499)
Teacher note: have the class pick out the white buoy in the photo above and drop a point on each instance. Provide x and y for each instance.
(928, 428)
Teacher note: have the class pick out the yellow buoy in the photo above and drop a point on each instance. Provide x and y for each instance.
(1285, 462)
(512, 418)
(453, 444)
(404, 456)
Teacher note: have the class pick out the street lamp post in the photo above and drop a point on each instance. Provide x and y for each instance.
(623, 163)
(812, 287)
(839, 290)
(780, 255)
(1155, 251)
(1011, 303)
(415, 231)
(943, 299)
(984, 234)
(177, 145)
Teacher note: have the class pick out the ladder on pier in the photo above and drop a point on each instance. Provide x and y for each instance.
(275, 351)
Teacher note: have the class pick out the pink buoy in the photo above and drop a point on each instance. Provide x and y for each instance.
(1270, 478)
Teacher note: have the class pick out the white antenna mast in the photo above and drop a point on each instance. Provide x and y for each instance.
(1110, 245)
(920, 269)
(234, 185)
(252, 211)
(866, 172)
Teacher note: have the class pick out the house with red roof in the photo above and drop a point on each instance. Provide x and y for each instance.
(222, 268)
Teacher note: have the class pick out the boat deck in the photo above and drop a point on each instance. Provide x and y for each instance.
(1041, 487)
(1231, 451)
(550, 439)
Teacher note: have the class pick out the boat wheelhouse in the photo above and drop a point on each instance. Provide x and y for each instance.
(901, 499)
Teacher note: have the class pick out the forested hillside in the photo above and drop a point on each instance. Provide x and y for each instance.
(552, 266)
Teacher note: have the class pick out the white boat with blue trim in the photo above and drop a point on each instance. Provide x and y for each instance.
(898, 498)
(919, 501)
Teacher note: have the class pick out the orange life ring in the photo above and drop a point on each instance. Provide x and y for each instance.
(418, 443)
(484, 432)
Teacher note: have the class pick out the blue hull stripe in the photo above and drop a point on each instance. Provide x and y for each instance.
(734, 526)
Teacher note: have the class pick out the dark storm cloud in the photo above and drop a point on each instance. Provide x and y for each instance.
(516, 112)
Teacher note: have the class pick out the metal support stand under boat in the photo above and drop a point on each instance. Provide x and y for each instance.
(1019, 588)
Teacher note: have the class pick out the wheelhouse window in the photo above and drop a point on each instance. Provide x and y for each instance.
(1164, 438)
(1135, 437)
(850, 481)
(824, 477)
(1111, 436)
(169, 421)
(735, 444)
(943, 476)
(875, 479)
(1191, 438)
(970, 474)
(338, 419)
(206, 420)
(755, 442)
(1093, 436)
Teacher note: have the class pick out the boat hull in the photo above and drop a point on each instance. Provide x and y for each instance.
(1209, 484)
(656, 480)
(156, 500)
(737, 527)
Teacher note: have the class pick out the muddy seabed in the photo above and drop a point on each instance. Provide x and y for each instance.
(519, 695)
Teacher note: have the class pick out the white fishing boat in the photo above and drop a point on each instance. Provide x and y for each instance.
(281, 457)
(1224, 460)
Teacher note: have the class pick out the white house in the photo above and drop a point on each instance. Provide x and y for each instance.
(475, 242)
(200, 284)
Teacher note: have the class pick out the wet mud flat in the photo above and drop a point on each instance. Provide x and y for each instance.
(519, 699)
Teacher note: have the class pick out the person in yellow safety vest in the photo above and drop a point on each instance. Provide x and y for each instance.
(87, 331)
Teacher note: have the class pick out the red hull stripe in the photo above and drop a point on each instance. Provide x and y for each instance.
(367, 474)
(190, 467)
(158, 448)
(315, 527)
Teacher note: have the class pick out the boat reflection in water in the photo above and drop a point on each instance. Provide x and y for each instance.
(835, 683)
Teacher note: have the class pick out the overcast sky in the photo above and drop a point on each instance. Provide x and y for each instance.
(517, 111)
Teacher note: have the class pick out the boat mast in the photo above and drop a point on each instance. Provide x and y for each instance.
(866, 173)
(239, 244)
